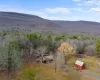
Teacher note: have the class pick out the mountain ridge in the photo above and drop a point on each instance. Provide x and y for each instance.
(33, 22)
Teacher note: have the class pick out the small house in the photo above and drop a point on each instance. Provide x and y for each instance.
(79, 64)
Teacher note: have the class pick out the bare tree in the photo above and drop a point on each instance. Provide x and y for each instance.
(41, 52)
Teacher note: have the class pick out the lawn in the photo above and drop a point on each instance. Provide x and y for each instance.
(90, 63)
(47, 72)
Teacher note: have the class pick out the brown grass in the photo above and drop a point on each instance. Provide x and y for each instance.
(90, 62)
(47, 72)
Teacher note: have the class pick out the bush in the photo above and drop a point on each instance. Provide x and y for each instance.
(61, 37)
(73, 37)
(29, 74)
(57, 38)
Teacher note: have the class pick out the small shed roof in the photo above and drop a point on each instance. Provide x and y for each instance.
(79, 62)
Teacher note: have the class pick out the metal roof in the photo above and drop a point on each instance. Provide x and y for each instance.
(79, 62)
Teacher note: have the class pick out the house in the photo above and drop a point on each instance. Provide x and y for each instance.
(79, 64)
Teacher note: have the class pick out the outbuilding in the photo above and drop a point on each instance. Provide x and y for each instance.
(79, 64)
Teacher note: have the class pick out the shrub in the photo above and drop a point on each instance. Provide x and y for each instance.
(49, 37)
(61, 37)
(39, 36)
(73, 37)
(29, 74)
(57, 38)
(31, 36)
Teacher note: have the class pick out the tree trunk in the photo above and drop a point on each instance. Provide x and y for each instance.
(41, 58)
(55, 67)
(55, 64)
(7, 75)
(9, 69)
(31, 51)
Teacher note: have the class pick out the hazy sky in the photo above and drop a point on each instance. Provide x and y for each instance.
(55, 9)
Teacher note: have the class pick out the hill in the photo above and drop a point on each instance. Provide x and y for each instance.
(80, 26)
(9, 20)
(24, 21)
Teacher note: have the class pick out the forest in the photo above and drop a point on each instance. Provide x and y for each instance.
(24, 56)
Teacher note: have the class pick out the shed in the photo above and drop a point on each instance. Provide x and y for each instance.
(79, 64)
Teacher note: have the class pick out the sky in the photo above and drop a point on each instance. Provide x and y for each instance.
(72, 10)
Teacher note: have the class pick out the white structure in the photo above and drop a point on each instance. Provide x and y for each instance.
(80, 63)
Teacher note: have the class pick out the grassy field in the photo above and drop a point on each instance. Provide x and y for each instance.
(90, 63)
(47, 72)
